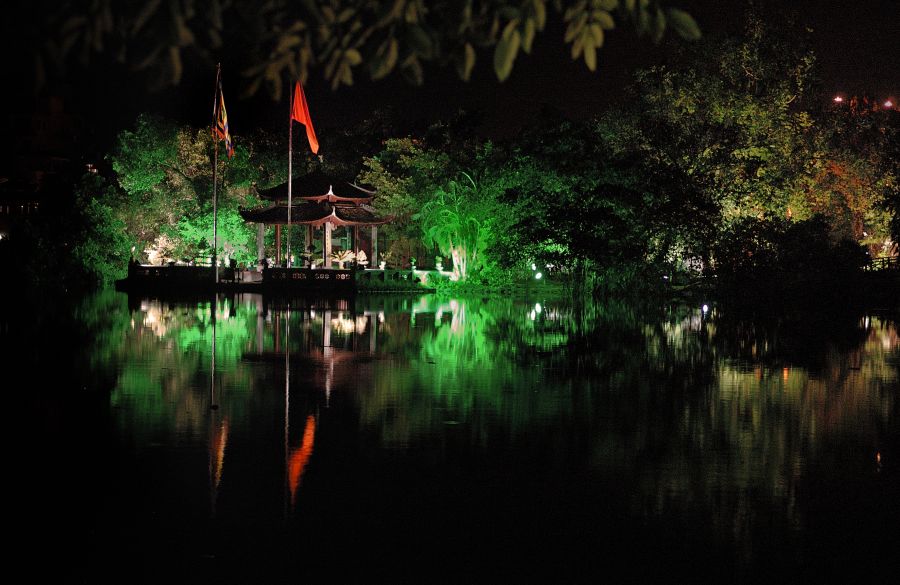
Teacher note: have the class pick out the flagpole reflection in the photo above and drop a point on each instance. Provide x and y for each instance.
(218, 431)
(287, 402)
(212, 369)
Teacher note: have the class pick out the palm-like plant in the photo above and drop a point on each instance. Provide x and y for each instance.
(457, 222)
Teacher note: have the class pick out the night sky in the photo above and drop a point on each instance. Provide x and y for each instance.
(857, 45)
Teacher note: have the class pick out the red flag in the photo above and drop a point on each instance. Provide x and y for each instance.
(300, 113)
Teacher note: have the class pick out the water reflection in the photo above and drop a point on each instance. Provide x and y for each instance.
(697, 425)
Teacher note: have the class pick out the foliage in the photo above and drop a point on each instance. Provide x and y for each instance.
(287, 40)
(165, 175)
(402, 173)
(860, 178)
(733, 122)
(404, 283)
(429, 186)
(758, 257)
(75, 242)
(103, 248)
(459, 219)
(236, 238)
(582, 207)
(342, 256)
(651, 189)
(729, 117)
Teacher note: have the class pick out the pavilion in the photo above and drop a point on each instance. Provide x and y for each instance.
(319, 202)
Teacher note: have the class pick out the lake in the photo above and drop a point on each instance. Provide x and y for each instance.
(243, 439)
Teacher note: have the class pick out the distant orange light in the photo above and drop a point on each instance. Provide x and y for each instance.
(838, 99)
(878, 457)
(889, 104)
(785, 372)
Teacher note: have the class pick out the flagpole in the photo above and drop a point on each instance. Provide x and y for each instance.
(290, 169)
(215, 173)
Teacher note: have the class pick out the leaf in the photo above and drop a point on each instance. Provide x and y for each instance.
(469, 63)
(286, 42)
(505, 54)
(590, 55)
(643, 22)
(420, 42)
(345, 15)
(147, 11)
(412, 69)
(330, 67)
(175, 61)
(352, 57)
(528, 37)
(577, 47)
(683, 23)
(510, 28)
(385, 59)
(540, 13)
(597, 34)
(604, 19)
(389, 11)
(573, 31)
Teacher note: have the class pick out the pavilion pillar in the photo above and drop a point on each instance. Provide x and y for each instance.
(260, 242)
(307, 241)
(278, 245)
(260, 325)
(355, 244)
(328, 228)
(373, 261)
(326, 331)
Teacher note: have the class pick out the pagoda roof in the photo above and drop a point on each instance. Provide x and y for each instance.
(315, 214)
(318, 186)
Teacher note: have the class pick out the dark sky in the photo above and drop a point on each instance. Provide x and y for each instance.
(857, 44)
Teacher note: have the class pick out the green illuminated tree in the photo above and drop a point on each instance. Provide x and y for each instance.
(103, 246)
(459, 219)
(165, 175)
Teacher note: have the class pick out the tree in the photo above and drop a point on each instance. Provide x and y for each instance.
(288, 40)
(729, 115)
(459, 220)
(858, 182)
(102, 248)
(738, 120)
(165, 201)
(403, 173)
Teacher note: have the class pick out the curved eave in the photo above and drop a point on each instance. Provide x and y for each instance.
(336, 219)
(315, 215)
(332, 198)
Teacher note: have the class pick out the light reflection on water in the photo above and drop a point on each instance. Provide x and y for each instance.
(584, 428)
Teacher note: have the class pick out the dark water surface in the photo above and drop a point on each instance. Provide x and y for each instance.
(251, 440)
